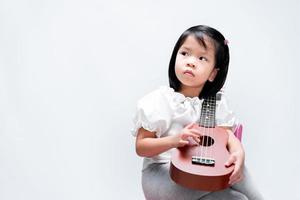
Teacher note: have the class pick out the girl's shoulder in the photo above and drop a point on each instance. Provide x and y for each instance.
(153, 112)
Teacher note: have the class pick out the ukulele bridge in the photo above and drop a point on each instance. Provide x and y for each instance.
(203, 161)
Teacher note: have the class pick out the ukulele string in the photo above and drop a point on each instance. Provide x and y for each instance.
(209, 105)
(208, 127)
(206, 117)
(213, 123)
(209, 119)
(201, 124)
(203, 118)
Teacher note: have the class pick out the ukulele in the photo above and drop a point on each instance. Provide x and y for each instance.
(202, 167)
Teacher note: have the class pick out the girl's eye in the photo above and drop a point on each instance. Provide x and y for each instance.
(203, 58)
(183, 53)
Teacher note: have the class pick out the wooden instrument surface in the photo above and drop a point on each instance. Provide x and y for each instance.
(212, 147)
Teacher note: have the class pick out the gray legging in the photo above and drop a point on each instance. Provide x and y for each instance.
(157, 185)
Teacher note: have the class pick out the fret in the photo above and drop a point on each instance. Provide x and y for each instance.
(208, 112)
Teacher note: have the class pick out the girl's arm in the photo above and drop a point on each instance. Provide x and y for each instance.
(148, 145)
(237, 157)
(234, 144)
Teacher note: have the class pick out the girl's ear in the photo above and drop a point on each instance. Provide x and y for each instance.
(213, 74)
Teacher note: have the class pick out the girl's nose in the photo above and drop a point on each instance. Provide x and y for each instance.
(191, 62)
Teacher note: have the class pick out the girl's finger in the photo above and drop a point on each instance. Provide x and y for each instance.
(197, 139)
(234, 175)
(196, 131)
(194, 136)
(184, 142)
(233, 180)
(230, 160)
(238, 179)
(190, 134)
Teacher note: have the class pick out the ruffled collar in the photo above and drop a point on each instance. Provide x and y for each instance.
(180, 98)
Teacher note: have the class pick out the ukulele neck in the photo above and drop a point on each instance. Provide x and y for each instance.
(208, 112)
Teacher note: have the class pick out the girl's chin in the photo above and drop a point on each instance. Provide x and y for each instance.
(190, 85)
(188, 81)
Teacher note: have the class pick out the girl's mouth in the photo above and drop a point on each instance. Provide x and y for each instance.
(189, 73)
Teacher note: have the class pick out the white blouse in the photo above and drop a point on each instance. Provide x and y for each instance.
(167, 112)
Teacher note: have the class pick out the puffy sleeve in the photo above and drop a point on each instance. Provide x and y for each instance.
(153, 113)
(224, 115)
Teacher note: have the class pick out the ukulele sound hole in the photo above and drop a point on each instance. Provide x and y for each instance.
(206, 141)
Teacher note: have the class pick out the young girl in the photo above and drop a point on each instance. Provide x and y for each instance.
(165, 117)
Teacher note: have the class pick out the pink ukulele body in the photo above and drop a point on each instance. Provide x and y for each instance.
(202, 167)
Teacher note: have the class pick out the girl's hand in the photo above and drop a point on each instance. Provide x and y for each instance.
(182, 139)
(237, 158)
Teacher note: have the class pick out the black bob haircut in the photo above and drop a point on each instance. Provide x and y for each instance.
(221, 58)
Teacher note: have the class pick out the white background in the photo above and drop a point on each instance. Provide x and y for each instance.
(72, 71)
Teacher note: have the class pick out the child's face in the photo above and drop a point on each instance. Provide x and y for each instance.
(194, 64)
